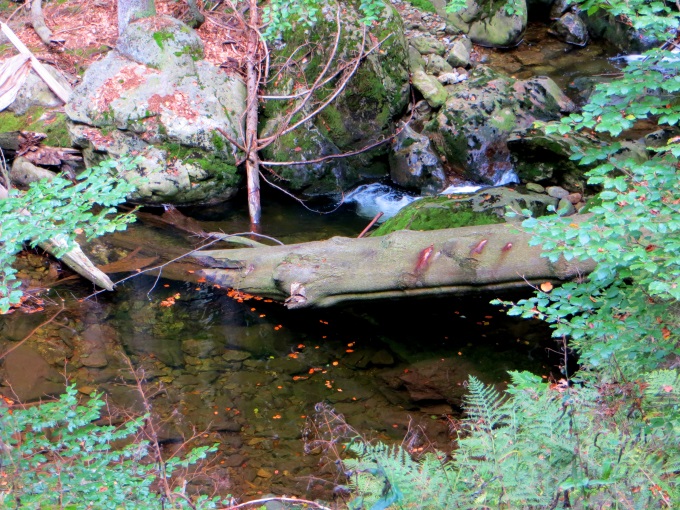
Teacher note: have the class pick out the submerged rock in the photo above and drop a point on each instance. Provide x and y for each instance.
(155, 97)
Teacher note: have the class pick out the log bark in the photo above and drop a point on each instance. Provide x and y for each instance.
(404, 263)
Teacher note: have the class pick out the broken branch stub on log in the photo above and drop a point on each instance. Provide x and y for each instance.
(405, 263)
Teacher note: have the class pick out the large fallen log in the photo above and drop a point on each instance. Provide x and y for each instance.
(404, 263)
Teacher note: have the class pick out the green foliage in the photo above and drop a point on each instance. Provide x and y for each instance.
(55, 455)
(58, 209)
(423, 5)
(511, 7)
(281, 16)
(608, 437)
(530, 448)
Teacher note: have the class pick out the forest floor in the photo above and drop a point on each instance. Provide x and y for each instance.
(89, 29)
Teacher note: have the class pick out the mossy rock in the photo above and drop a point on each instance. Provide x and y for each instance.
(484, 207)
(38, 120)
(376, 94)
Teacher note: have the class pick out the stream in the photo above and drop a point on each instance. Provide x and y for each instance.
(249, 375)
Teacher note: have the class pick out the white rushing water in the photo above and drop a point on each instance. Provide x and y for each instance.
(370, 199)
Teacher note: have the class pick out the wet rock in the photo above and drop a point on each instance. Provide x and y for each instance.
(543, 158)
(459, 54)
(428, 45)
(436, 65)
(29, 376)
(433, 380)
(433, 91)
(234, 460)
(472, 128)
(166, 350)
(571, 29)
(558, 8)
(258, 339)
(413, 163)
(287, 366)
(163, 102)
(382, 358)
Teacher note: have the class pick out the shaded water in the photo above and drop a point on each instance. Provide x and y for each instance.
(247, 374)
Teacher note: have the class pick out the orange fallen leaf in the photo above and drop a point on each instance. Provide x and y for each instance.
(546, 286)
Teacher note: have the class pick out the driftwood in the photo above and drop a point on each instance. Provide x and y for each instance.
(405, 263)
(73, 258)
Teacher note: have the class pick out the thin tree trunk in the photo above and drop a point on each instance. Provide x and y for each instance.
(129, 10)
(252, 82)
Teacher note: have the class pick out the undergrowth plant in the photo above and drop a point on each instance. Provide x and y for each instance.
(61, 209)
(607, 437)
(57, 455)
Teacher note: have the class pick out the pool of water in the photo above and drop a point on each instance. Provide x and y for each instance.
(247, 373)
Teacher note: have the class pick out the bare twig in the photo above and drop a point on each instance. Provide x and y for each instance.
(368, 227)
(302, 202)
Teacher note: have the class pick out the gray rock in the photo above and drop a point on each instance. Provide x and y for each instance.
(490, 25)
(437, 65)
(165, 111)
(536, 188)
(459, 54)
(472, 128)
(234, 355)
(433, 91)
(565, 208)
(413, 163)
(558, 8)
(452, 78)
(428, 45)
(35, 92)
(415, 59)
(571, 29)
(557, 192)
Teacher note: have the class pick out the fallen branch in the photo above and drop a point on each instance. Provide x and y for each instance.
(38, 22)
(61, 92)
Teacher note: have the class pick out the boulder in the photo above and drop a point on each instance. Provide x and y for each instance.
(484, 207)
(365, 109)
(571, 29)
(413, 163)
(545, 159)
(472, 128)
(155, 98)
(492, 24)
